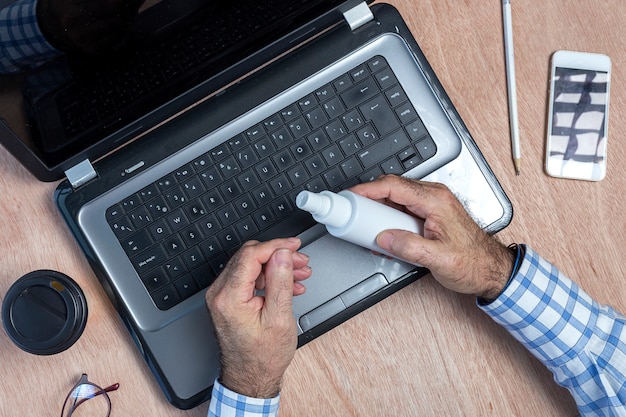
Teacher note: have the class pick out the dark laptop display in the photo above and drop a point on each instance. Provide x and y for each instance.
(158, 219)
(79, 105)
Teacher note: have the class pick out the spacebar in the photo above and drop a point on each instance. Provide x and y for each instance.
(289, 226)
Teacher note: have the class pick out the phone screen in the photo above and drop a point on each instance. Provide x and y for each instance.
(577, 142)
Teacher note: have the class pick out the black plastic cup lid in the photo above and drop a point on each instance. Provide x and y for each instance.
(44, 312)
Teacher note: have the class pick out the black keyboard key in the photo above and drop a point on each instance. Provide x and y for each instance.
(220, 152)
(136, 243)
(385, 78)
(262, 195)
(324, 93)
(300, 150)
(248, 180)
(122, 227)
(299, 127)
(177, 220)
(297, 175)
(228, 167)
(255, 132)
(367, 135)
(334, 108)
(246, 157)
(395, 96)
(283, 160)
(332, 155)
(359, 73)
(174, 268)
(406, 113)
(159, 230)
(244, 205)
(166, 182)
(186, 286)
(334, 177)
(350, 145)
(318, 140)
(149, 259)
(379, 151)
(148, 193)
(204, 276)
(380, 114)
(290, 112)
(342, 83)
(191, 235)
(174, 245)
(175, 197)
(392, 166)
(315, 165)
(316, 117)
(155, 279)
(114, 212)
(427, 148)
(195, 211)
(230, 190)
(246, 228)
(226, 215)
(280, 137)
(264, 147)
(140, 218)
(359, 93)
(416, 130)
(166, 297)
(194, 188)
(193, 258)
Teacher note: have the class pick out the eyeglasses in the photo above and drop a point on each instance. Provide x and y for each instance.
(99, 406)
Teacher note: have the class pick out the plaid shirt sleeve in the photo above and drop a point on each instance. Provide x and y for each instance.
(581, 342)
(227, 403)
(22, 45)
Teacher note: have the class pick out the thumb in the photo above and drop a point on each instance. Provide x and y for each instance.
(279, 283)
(402, 244)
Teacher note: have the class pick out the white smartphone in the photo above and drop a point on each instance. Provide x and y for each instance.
(578, 114)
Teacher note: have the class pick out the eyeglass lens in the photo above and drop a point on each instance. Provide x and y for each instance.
(88, 400)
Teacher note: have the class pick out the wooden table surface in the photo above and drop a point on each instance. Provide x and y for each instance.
(423, 351)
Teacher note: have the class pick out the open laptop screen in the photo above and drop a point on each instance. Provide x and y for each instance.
(86, 107)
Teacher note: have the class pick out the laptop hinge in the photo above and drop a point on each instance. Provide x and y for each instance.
(358, 15)
(81, 174)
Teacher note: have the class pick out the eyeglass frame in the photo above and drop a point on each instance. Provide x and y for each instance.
(98, 391)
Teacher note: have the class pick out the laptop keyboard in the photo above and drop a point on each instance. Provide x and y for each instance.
(180, 231)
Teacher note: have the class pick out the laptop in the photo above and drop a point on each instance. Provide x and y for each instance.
(328, 94)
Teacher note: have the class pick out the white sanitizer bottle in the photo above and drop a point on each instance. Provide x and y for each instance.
(355, 218)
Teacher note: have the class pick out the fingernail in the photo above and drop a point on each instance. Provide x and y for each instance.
(302, 256)
(283, 257)
(385, 240)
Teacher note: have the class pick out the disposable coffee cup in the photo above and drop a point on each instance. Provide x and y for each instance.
(44, 312)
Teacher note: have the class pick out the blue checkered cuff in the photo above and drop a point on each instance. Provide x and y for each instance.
(227, 403)
(582, 342)
(22, 45)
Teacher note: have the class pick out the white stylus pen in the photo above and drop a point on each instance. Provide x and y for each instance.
(510, 81)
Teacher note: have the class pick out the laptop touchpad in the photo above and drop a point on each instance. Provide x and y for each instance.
(343, 274)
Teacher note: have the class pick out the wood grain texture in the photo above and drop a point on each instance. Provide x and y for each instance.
(423, 351)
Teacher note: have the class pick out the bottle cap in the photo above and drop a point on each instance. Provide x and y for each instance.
(44, 312)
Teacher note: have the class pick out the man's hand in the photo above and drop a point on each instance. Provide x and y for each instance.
(257, 334)
(458, 253)
(86, 26)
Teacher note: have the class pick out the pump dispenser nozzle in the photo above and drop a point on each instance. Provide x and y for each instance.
(328, 208)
